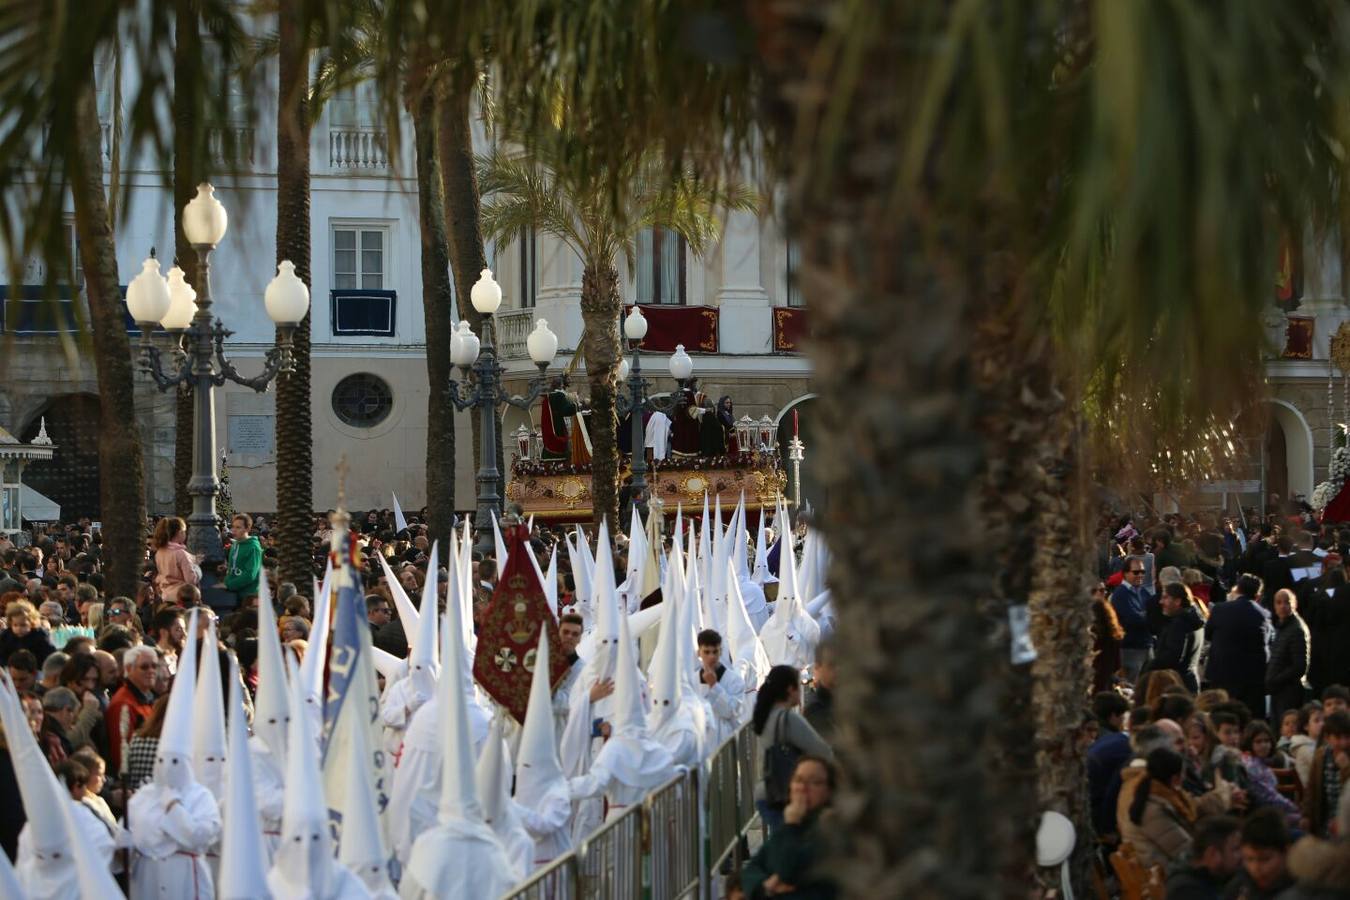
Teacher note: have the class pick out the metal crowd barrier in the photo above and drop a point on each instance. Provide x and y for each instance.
(672, 815)
(558, 880)
(609, 862)
(656, 850)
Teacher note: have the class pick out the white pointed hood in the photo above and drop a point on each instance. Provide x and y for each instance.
(208, 724)
(499, 545)
(761, 575)
(460, 858)
(272, 704)
(537, 765)
(242, 876)
(739, 550)
(705, 546)
(62, 858)
(629, 715)
(663, 675)
(747, 651)
(304, 866)
(173, 754)
(599, 649)
(316, 654)
(790, 636)
(551, 582)
(388, 665)
(581, 578)
(637, 555)
(9, 880)
(362, 848)
(423, 661)
(407, 613)
(459, 794)
(490, 777)
(693, 589)
(42, 795)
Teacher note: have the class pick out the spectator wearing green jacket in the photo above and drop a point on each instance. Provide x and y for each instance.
(244, 561)
(785, 866)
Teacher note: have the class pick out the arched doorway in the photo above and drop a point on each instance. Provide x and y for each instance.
(1288, 453)
(798, 417)
(71, 477)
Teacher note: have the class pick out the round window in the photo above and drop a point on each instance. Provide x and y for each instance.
(362, 400)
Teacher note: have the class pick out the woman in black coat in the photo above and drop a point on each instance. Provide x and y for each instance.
(1182, 636)
(1287, 670)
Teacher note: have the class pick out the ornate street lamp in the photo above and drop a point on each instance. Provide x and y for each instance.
(199, 348)
(681, 368)
(485, 392)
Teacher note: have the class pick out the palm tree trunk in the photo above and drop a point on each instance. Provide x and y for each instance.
(187, 172)
(903, 444)
(295, 455)
(600, 308)
(459, 180)
(436, 300)
(122, 487)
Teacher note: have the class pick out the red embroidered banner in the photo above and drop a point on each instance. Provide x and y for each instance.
(1298, 338)
(693, 326)
(791, 327)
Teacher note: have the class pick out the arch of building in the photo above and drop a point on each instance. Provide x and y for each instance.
(1298, 440)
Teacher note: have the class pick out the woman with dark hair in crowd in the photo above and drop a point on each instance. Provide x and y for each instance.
(81, 676)
(783, 733)
(783, 865)
(1107, 635)
(1154, 814)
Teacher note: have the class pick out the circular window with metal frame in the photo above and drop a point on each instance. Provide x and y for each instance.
(362, 400)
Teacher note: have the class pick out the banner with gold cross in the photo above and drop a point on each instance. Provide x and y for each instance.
(508, 636)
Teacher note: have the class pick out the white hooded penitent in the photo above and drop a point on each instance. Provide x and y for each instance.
(243, 861)
(208, 724)
(460, 858)
(541, 788)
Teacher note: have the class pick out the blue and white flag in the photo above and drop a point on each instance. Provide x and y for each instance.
(353, 701)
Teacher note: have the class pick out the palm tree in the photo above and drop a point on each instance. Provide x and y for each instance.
(1008, 219)
(537, 191)
(121, 498)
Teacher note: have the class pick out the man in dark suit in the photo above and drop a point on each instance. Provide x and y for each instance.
(1239, 633)
(1277, 573)
(1259, 549)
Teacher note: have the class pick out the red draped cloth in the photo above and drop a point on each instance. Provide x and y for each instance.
(1338, 510)
(508, 637)
(791, 325)
(693, 326)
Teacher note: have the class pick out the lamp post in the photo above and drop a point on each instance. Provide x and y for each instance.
(485, 392)
(681, 368)
(199, 348)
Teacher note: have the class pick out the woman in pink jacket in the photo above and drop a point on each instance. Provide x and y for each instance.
(174, 565)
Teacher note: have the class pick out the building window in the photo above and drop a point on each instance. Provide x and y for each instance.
(794, 292)
(362, 400)
(359, 254)
(529, 268)
(361, 312)
(660, 267)
(351, 107)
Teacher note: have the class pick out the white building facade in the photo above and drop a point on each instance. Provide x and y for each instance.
(369, 381)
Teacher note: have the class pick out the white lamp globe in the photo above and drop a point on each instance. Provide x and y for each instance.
(681, 366)
(182, 302)
(148, 294)
(204, 218)
(623, 370)
(286, 297)
(486, 294)
(542, 343)
(635, 325)
(463, 345)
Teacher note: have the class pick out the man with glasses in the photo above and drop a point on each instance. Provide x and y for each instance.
(377, 613)
(1131, 606)
(132, 703)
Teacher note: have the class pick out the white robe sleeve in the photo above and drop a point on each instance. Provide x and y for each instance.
(548, 817)
(269, 789)
(592, 784)
(725, 698)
